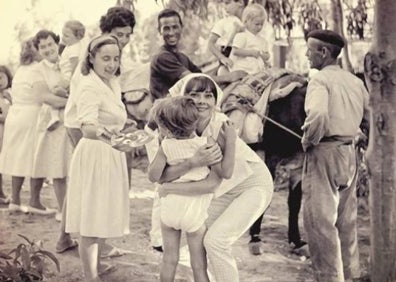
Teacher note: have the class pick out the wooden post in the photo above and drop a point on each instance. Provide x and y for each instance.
(380, 73)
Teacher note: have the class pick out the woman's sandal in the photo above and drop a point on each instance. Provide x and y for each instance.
(115, 252)
(72, 244)
(106, 269)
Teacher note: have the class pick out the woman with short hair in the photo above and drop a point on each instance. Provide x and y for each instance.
(53, 147)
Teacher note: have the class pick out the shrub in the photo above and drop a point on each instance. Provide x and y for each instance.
(27, 262)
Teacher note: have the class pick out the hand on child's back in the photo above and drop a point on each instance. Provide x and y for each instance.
(207, 155)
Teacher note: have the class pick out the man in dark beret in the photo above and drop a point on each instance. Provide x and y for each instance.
(335, 104)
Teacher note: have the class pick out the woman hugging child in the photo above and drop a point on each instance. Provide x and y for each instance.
(177, 119)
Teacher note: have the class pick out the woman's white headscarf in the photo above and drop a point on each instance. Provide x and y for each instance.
(179, 88)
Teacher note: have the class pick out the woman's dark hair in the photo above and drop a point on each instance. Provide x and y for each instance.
(28, 53)
(178, 115)
(116, 17)
(201, 84)
(4, 69)
(93, 48)
(44, 34)
(167, 13)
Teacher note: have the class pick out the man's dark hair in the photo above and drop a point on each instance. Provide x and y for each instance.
(116, 17)
(167, 13)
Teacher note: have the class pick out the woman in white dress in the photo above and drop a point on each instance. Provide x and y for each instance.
(97, 199)
(53, 148)
(16, 158)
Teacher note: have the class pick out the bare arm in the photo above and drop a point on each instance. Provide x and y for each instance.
(226, 139)
(215, 50)
(245, 52)
(229, 77)
(205, 186)
(47, 97)
(157, 166)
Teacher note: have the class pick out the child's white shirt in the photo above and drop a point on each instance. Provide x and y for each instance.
(225, 29)
(77, 50)
(178, 150)
(249, 41)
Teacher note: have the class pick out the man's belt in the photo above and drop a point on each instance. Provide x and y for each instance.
(346, 140)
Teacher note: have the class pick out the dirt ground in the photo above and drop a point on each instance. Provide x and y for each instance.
(141, 262)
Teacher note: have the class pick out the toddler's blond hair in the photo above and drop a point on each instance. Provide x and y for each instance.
(252, 11)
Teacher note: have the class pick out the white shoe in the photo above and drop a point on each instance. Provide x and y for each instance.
(46, 211)
(17, 208)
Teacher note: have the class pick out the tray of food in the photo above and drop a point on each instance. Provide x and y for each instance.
(133, 139)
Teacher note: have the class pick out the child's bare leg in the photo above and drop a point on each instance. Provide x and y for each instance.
(89, 249)
(198, 259)
(170, 259)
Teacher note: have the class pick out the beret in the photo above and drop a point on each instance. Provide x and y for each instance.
(328, 36)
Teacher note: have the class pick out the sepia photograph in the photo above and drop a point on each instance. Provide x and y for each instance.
(197, 140)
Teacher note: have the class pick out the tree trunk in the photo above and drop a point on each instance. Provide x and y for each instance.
(380, 72)
(337, 24)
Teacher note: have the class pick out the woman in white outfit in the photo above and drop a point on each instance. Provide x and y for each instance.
(237, 202)
(97, 200)
(16, 158)
(53, 148)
